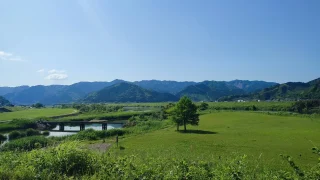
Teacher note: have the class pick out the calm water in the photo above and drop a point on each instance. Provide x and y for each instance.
(77, 128)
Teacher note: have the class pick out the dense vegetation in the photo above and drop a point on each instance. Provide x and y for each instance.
(26, 144)
(128, 92)
(69, 161)
(185, 112)
(153, 150)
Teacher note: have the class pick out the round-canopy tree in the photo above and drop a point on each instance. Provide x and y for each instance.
(185, 112)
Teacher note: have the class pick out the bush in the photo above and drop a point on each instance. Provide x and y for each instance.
(69, 161)
(26, 144)
(32, 132)
(14, 135)
(46, 133)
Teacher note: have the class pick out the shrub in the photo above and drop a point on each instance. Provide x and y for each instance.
(26, 144)
(46, 133)
(32, 132)
(14, 135)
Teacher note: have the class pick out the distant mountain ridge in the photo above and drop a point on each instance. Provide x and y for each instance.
(209, 91)
(286, 91)
(213, 90)
(57, 94)
(198, 91)
(7, 90)
(128, 92)
(172, 87)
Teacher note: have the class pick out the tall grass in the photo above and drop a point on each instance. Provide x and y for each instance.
(26, 144)
(71, 161)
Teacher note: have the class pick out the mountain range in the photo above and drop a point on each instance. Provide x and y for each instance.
(144, 91)
(287, 91)
(158, 91)
(128, 92)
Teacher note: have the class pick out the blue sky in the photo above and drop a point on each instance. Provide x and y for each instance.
(67, 41)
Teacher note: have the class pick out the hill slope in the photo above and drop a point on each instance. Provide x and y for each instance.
(286, 91)
(7, 90)
(250, 86)
(210, 91)
(172, 87)
(56, 94)
(128, 92)
(3, 101)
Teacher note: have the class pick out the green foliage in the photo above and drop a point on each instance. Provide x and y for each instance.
(71, 161)
(15, 135)
(250, 106)
(3, 109)
(26, 143)
(2, 138)
(103, 116)
(91, 134)
(308, 106)
(20, 134)
(32, 132)
(38, 105)
(18, 124)
(46, 133)
(97, 108)
(140, 127)
(185, 113)
(203, 106)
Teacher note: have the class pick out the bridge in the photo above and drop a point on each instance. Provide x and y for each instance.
(81, 124)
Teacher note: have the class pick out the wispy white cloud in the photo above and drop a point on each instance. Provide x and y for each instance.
(55, 74)
(10, 57)
(57, 77)
(54, 71)
(40, 70)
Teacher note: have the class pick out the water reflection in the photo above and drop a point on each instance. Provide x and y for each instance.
(97, 127)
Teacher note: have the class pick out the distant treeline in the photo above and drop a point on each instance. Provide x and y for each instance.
(303, 107)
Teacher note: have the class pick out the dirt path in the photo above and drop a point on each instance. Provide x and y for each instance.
(100, 147)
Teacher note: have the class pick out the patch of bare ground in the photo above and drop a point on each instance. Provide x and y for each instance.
(100, 147)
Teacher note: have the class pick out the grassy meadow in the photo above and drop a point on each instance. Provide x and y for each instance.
(260, 136)
(232, 141)
(34, 113)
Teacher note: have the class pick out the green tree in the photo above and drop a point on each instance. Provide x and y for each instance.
(38, 105)
(185, 112)
(203, 106)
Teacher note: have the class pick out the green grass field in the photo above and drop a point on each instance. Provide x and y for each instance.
(260, 136)
(34, 113)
